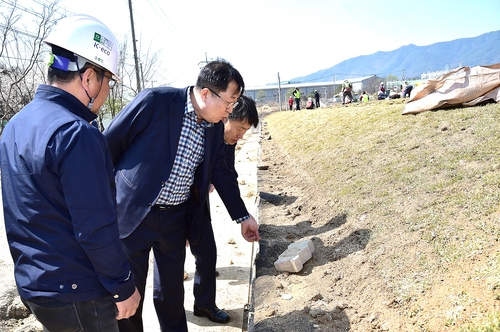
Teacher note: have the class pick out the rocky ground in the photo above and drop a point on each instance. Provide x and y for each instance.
(345, 286)
(328, 294)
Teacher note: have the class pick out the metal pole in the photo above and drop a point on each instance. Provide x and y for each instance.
(142, 77)
(279, 91)
(202, 64)
(334, 88)
(137, 74)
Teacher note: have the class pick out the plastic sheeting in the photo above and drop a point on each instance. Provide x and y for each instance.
(463, 86)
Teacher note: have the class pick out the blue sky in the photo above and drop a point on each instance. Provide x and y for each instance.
(262, 38)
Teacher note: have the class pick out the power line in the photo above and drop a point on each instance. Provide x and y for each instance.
(44, 4)
(14, 4)
(37, 14)
(26, 33)
(165, 20)
(16, 58)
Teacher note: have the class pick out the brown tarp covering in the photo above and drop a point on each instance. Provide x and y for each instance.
(463, 86)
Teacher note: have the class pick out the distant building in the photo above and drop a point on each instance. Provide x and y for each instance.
(369, 84)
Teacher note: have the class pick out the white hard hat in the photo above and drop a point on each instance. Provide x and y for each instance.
(88, 38)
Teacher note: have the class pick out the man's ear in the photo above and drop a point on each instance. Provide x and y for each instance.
(204, 94)
(87, 76)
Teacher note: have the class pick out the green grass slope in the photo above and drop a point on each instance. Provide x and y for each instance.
(431, 184)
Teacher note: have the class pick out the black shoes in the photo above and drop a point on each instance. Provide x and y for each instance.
(215, 315)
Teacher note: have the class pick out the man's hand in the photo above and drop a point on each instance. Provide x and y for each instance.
(250, 229)
(128, 307)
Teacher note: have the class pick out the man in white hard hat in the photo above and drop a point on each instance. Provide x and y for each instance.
(59, 193)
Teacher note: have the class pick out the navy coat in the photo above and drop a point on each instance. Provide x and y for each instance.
(143, 140)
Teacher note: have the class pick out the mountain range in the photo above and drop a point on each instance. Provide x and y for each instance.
(411, 61)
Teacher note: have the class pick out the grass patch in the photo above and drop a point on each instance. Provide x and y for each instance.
(490, 324)
(433, 179)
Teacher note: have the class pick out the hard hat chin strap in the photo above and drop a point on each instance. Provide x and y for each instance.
(91, 102)
(91, 99)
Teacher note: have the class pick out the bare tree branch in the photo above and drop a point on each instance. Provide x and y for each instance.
(22, 31)
(20, 55)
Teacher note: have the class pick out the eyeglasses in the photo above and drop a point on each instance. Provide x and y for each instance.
(112, 81)
(229, 105)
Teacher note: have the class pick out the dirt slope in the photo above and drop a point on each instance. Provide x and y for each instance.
(345, 286)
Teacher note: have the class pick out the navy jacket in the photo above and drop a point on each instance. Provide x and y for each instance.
(59, 203)
(229, 155)
(143, 140)
(230, 151)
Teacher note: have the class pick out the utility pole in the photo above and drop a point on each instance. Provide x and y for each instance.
(142, 77)
(334, 88)
(279, 91)
(137, 73)
(202, 64)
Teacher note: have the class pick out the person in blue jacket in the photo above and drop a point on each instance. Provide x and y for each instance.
(243, 117)
(58, 189)
(167, 146)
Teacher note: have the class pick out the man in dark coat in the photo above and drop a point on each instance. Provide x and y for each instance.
(167, 147)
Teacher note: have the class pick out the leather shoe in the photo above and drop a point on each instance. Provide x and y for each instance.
(215, 314)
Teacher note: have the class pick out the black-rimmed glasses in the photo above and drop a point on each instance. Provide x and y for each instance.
(229, 105)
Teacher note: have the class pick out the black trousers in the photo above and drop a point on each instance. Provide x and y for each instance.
(164, 231)
(205, 253)
(347, 94)
(89, 316)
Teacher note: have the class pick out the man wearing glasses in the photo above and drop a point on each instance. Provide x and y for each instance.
(243, 117)
(166, 147)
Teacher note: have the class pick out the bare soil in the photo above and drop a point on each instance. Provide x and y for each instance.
(343, 286)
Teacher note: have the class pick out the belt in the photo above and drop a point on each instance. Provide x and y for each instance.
(168, 207)
(163, 207)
